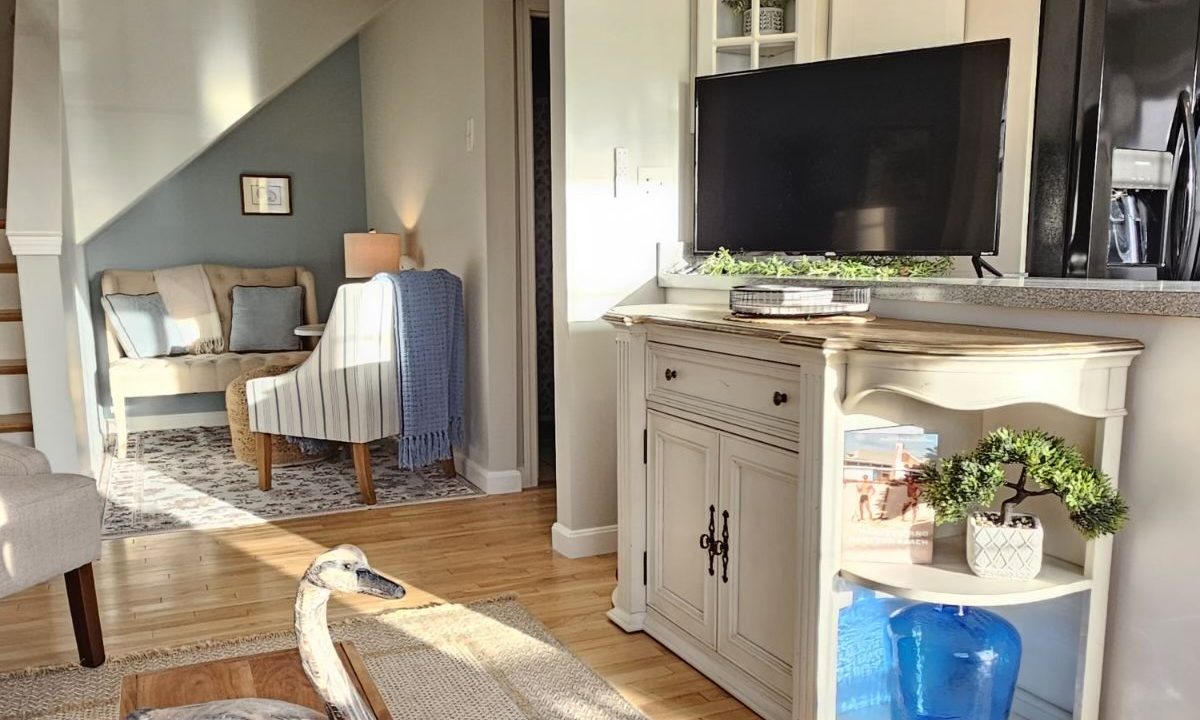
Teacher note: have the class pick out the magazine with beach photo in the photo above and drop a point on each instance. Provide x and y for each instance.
(886, 521)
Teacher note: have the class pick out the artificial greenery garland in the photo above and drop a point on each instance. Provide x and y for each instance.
(954, 485)
(859, 267)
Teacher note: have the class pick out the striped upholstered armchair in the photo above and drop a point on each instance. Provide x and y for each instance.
(346, 391)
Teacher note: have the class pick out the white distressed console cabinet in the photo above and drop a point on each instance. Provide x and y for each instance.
(730, 485)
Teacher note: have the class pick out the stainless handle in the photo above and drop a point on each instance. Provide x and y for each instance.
(1178, 243)
(1188, 266)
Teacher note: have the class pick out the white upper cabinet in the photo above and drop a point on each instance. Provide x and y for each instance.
(807, 30)
(865, 27)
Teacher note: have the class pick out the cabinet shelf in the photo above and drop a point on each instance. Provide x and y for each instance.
(769, 46)
(949, 580)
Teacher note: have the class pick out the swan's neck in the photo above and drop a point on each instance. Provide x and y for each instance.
(320, 658)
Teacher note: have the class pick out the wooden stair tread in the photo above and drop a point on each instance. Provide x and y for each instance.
(13, 367)
(16, 422)
(8, 268)
(10, 315)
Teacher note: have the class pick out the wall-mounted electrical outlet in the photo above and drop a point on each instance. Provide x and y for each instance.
(652, 180)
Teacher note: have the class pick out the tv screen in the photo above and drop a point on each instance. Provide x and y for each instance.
(885, 154)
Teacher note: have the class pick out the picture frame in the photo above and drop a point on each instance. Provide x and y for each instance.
(266, 194)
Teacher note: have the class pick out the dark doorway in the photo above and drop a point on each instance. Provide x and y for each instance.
(543, 245)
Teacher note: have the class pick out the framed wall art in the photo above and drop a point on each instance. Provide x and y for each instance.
(266, 195)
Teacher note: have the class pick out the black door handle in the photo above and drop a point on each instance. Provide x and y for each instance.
(780, 398)
(710, 542)
(670, 374)
(724, 542)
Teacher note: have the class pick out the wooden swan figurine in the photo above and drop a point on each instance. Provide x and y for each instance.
(343, 569)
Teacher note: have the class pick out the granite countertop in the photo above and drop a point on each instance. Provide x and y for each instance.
(878, 334)
(1136, 297)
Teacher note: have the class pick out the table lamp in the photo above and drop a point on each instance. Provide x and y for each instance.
(373, 252)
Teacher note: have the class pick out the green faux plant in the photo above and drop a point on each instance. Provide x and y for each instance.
(743, 6)
(955, 485)
(859, 267)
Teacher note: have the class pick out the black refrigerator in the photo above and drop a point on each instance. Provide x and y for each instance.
(1114, 174)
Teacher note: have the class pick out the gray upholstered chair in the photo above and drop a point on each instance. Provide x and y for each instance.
(50, 525)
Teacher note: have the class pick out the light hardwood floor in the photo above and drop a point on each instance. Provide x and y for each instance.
(179, 588)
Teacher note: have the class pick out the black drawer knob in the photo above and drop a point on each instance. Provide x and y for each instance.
(780, 398)
(670, 374)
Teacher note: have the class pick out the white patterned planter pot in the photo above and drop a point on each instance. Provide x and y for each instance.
(770, 21)
(1004, 552)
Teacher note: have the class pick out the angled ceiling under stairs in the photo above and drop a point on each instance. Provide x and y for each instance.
(150, 84)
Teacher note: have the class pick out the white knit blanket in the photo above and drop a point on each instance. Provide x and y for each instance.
(189, 300)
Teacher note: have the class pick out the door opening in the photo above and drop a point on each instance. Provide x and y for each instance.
(537, 256)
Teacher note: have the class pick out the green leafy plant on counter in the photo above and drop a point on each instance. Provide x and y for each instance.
(956, 485)
(742, 6)
(859, 267)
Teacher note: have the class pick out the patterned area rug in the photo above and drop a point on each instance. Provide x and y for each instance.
(182, 479)
(485, 661)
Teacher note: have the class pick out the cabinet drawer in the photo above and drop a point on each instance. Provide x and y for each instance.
(761, 394)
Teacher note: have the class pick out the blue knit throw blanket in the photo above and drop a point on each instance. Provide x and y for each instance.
(431, 359)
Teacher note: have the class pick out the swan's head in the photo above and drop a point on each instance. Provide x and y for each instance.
(345, 569)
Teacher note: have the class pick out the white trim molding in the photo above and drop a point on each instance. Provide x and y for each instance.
(34, 242)
(583, 543)
(492, 482)
(1027, 706)
(142, 423)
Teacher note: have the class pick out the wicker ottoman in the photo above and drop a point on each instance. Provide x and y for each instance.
(282, 451)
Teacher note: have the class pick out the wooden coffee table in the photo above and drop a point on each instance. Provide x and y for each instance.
(272, 676)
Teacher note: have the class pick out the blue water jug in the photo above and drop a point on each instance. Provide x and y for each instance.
(952, 662)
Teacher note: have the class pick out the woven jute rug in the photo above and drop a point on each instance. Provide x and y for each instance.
(485, 661)
(189, 478)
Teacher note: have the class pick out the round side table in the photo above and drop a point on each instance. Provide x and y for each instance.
(314, 330)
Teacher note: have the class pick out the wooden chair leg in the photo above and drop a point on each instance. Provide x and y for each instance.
(262, 449)
(362, 469)
(85, 616)
(448, 469)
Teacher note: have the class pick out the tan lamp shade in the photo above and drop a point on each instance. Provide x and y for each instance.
(372, 252)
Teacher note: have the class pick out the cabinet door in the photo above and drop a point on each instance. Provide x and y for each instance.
(757, 591)
(682, 471)
(864, 27)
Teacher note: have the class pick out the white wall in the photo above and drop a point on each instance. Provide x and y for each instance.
(148, 84)
(428, 70)
(1018, 20)
(623, 81)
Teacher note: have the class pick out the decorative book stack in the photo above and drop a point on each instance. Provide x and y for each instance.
(886, 519)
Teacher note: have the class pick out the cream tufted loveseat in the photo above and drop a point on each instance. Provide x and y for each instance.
(184, 374)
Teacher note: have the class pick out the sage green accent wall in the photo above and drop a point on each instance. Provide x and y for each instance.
(312, 131)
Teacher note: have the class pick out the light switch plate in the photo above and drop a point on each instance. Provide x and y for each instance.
(622, 173)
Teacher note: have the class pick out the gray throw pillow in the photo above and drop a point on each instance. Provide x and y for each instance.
(142, 325)
(265, 318)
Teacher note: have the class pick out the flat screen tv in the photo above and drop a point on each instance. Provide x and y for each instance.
(895, 154)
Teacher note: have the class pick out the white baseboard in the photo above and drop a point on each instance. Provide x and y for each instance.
(1027, 706)
(492, 482)
(139, 423)
(583, 543)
